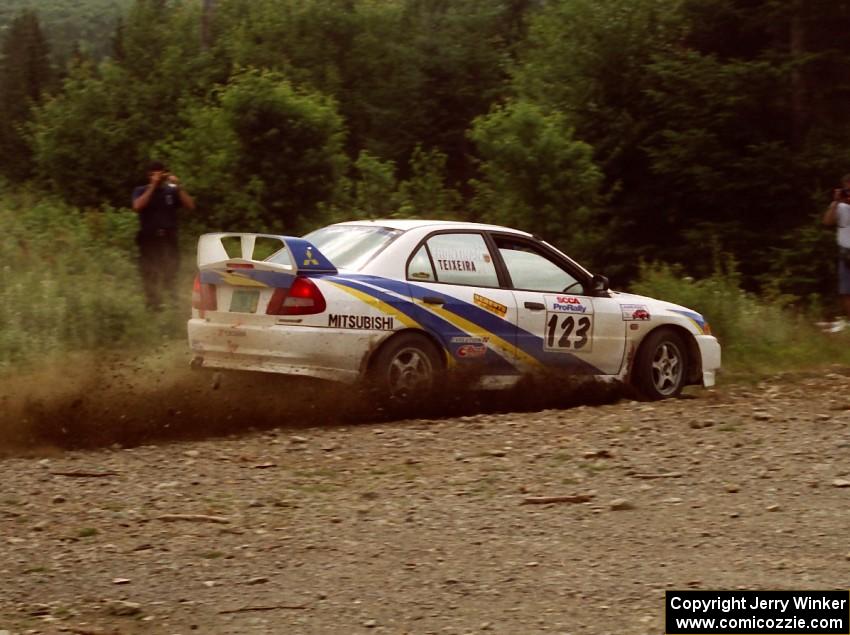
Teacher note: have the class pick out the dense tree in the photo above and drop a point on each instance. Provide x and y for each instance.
(374, 188)
(625, 129)
(587, 59)
(426, 193)
(404, 72)
(747, 135)
(718, 124)
(84, 25)
(25, 76)
(535, 175)
(92, 140)
(88, 142)
(263, 151)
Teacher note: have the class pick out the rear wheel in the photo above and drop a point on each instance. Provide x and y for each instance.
(661, 367)
(405, 371)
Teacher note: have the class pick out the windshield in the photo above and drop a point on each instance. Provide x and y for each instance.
(351, 246)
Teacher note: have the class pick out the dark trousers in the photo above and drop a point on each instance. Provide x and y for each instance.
(159, 259)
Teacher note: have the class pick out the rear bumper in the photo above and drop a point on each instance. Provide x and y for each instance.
(324, 353)
(709, 350)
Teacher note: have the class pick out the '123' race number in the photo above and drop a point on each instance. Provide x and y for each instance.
(566, 332)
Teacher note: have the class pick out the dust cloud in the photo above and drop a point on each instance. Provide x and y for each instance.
(90, 401)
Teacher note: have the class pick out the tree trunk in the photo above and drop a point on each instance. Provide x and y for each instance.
(207, 9)
(799, 118)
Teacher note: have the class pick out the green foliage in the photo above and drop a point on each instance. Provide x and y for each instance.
(425, 193)
(88, 142)
(803, 263)
(159, 47)
(25, 75)
(262, 151)
(404, 72)
(92, 141)
(70, 25)
(712, 120)
(717, 148)
(67, 280)
(621, 129)
(587, 59)
(535, 175)
(759, 335)
(374, 191)
(374, 188)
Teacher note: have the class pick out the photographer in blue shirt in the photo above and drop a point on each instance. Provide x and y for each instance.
(159, 256)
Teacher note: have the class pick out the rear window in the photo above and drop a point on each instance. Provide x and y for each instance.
(351, 246)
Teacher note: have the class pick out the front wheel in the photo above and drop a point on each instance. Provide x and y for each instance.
(405, 371)
(661, 367)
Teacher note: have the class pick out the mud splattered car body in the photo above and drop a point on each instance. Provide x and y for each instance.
(399, 302)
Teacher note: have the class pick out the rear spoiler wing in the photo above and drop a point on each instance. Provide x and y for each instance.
(304, 257)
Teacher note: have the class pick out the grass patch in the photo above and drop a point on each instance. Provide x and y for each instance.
(69, 281)
(87, 532)
(760, 334)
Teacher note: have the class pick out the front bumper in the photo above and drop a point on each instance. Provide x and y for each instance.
(709, 350)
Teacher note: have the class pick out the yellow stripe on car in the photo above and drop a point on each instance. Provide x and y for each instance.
(389, 309)
(478, 331)
(237, 280)
(696, 324)
(382, 306)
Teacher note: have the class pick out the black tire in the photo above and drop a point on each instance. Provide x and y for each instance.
(405, 372)
(660, 369)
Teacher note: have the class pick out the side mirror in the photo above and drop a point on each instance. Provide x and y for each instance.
(598, 284)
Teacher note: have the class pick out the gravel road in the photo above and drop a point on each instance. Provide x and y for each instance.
(427, 526)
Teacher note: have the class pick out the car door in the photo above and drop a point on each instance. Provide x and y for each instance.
(557, 320)
(453, 275)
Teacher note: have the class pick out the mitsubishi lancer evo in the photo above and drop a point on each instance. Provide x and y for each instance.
(401, 304)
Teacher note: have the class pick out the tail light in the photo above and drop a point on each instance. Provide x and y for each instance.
(302, 298)
(203, 296)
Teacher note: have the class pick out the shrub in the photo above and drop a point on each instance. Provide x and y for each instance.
(68, 280)
(759, 334)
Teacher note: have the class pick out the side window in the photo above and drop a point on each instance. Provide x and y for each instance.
(531, 270)
(420, 267)
(463, 259)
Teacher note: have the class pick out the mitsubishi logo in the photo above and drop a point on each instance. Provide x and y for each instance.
(308, 257)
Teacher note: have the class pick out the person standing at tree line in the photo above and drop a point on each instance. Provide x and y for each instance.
(838, 215)
(159, 256)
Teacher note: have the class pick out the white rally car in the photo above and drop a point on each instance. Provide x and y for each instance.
(399, 303)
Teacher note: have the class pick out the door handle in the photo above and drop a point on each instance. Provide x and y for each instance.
(430, 299)
(535, 306)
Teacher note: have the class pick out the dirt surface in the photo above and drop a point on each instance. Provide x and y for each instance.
(416, 526)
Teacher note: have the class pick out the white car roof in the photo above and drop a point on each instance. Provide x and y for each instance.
(415, 223)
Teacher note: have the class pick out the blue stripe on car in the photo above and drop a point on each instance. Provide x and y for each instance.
(696, 317)
(522, 339)
(273, 279)
(443, 330)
